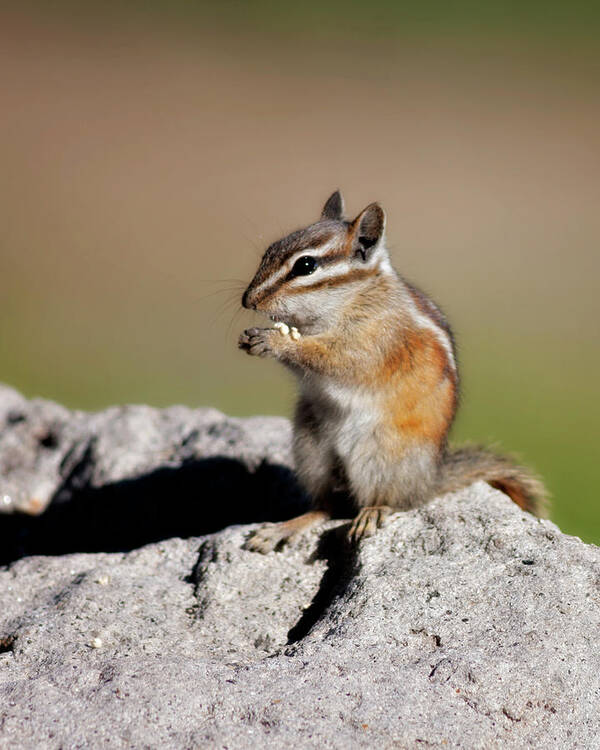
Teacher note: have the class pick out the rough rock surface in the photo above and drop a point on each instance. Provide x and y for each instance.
(467, 623)
(130, 475)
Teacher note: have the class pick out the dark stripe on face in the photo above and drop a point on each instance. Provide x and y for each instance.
(325, 260)
(304, 239)
(346, 278)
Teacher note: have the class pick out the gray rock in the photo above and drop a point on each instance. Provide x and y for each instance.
(47, 452)
(466, 623)
(130, 475)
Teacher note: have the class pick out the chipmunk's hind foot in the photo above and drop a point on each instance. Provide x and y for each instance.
(367, 522)
(273, 536)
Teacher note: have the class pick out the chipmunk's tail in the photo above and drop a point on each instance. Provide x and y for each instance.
(465, 465)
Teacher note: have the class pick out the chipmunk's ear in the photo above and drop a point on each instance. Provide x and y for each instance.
(368, 229)
(334, 208)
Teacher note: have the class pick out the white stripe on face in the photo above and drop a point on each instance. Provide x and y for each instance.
(339, 268)
(283, 271)
(333, 270)
(336, 269)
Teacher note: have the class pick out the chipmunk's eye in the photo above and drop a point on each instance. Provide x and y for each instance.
(303, 266)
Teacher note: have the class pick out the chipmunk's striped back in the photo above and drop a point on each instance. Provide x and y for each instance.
(376, 364)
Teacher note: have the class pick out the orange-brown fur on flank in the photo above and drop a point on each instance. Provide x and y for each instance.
(377, 374)
(419, 395)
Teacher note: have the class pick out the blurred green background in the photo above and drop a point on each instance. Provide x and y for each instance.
(150, 151)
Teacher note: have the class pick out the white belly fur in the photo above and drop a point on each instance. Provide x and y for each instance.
(379, 469)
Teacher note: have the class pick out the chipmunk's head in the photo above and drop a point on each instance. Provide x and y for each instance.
(307, 277)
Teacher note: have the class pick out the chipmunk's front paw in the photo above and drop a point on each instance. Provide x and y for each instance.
(367, 522)
(257, 341)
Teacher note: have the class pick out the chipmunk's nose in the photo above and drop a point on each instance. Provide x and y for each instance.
(246, 301)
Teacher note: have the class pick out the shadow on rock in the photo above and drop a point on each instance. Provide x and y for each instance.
(340, 555)
(198, 498)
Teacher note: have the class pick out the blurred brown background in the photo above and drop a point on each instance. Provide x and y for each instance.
(150, 152)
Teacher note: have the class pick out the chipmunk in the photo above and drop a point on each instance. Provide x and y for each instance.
(378, 378)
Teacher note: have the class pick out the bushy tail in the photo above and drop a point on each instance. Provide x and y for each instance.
(465, 465)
